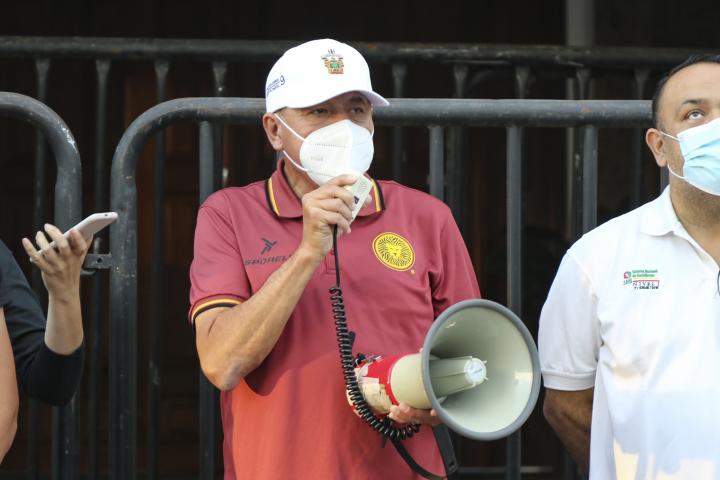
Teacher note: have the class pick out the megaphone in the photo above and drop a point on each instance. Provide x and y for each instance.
(478, 369)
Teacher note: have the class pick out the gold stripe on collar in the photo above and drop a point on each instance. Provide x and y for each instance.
(378, 206)
(272, 197)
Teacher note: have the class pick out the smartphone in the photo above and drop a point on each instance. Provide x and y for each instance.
(89, 226)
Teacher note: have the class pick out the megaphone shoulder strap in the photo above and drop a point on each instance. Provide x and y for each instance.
(442, 436)
(447, 452)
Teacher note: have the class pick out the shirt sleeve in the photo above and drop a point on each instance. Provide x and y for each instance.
(568, 336)
(455, 280)
(45, 375)
(217, 273)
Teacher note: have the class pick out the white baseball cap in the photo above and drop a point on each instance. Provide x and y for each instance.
(316, 71)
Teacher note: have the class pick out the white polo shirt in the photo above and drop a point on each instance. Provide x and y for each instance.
(634, 311)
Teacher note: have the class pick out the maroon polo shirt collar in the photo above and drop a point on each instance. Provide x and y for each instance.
(283, 202)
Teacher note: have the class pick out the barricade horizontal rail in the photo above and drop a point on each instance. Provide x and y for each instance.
(265, 50)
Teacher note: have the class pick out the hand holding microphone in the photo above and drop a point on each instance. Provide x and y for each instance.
(328, 205)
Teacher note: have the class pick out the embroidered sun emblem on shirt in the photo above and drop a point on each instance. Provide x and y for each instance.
(394, 251)
(333, 62)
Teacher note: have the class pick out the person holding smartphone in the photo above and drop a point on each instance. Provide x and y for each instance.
(48, 351)
(8, 387)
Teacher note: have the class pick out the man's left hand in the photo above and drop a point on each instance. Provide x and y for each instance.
(404, 413)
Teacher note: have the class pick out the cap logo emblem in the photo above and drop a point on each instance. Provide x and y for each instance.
(394, 251)
(333, 62)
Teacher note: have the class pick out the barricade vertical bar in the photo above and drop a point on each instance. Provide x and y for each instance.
(514, 135)
(638, 145)
(582, 76)
(102, 68)
(42, 66)
(208, 393)
(68, 208)
(589, 178)
(399, 161)
(156, 282)
(437, 160)
(456, 177)
(219, 72)
(514, 142)
(122, 378)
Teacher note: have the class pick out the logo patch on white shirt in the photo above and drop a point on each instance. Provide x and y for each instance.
(642, 279)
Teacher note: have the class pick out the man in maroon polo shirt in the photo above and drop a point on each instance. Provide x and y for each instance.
(264, 263)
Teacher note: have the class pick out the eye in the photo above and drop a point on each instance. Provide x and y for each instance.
(319, 112)
(694, 115)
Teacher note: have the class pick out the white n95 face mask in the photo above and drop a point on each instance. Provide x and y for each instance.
(700, 147)
(336, 149)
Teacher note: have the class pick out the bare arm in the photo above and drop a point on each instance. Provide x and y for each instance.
(8, 391)
(570, 415)
(232, 342)
(61, 275)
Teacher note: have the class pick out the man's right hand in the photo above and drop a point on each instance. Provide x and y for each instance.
(323, 208)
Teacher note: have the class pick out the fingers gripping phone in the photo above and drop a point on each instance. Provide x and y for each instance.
(89, 226)
(360, 190)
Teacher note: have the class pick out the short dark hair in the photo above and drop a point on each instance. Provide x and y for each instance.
(692, 60)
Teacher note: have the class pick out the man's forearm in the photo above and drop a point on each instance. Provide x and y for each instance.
(233, 343)
(64, 330)
(570, 415)
(576, 439)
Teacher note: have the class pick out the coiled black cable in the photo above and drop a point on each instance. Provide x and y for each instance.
(383, 426)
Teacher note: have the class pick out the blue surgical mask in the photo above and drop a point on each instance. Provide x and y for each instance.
(700, 147)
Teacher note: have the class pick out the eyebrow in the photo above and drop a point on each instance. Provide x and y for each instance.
(691, 101)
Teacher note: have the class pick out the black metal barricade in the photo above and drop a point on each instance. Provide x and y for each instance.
(67, 205)
(439, 115)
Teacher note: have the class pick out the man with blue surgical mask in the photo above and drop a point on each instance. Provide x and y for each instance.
(264, 262)
(629, 336)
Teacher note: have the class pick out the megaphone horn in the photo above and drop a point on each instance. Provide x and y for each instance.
(478, 369)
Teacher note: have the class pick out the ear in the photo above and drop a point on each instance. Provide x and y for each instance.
(656, 142)
(273, 131)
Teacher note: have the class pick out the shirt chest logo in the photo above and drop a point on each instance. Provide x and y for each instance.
(642, 279)
(264, 258)
(394, 251)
